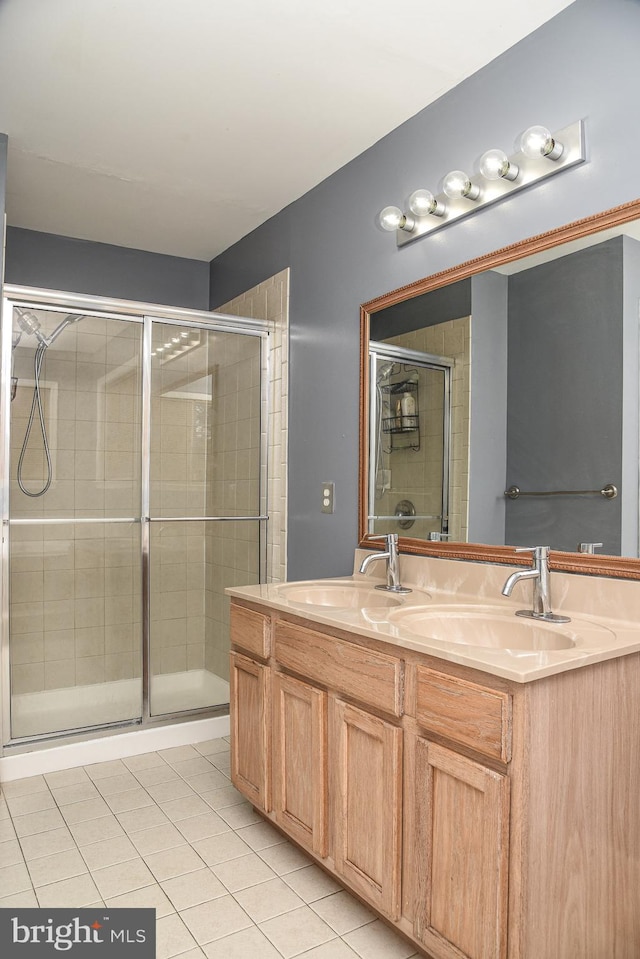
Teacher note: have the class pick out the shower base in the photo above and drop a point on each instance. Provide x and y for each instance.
(75, 707)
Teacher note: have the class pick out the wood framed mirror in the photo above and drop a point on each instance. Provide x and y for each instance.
(541, 338)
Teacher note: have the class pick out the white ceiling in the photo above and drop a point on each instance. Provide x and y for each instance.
(178, 126)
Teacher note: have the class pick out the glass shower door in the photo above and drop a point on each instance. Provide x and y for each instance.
(74, 521)
(206, 513)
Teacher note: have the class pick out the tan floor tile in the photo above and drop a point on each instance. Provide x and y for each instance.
(24, 787)
(215, 919)
(47, 843)
(201, 827)
(196, 953)
(226, 796)
(61, 865)
(153, 775)
(147, 897)
(75, 792)
(38, 822)
(242, 945)
(284, 858)
(178, 754)
(122, 877)
(156, 839)
(66, 777)
(20, 900)
(261, 835)
(108, 852)
(241, 815)
(7, 832)
(10, 853)
(174, 862)
(178, 809)
(211, 746)
(14, 879)
(243, 872)
(221, 848)
(205, 782)
(335, 949)
(143, 761)
(342, 912)
(136, 798)
(172, 937)
(193, 767)
(268, 899)
(311, 883)
(296, 931)
(70, 893)
(96, 830)
(103, 770)
(86, 810)
(112, 785)
(193, 888)
(4, 809)
(144, 818)
(32, 802)
(169, 789)
(377, 941)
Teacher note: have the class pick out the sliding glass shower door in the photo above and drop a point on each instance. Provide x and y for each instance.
(133, 496)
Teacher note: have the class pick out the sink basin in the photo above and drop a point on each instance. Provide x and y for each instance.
(490, 627)
(336, 595)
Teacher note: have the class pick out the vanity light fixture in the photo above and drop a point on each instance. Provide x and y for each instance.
(541, 154)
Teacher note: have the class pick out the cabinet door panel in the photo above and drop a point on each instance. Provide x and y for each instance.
(300, 761)
(250, 740)
(369, 799)
(460, 855)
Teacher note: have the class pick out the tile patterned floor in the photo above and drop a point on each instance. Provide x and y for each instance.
(168, 830)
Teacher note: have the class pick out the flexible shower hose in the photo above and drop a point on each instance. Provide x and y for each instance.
(36, 403)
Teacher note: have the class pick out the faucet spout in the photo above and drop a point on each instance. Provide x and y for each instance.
(507, 589)
(393, 564)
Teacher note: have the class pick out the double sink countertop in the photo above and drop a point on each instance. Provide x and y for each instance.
(458, 615)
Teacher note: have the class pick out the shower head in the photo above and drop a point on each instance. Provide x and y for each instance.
(384, 371)
(71, 318)
(30, 324)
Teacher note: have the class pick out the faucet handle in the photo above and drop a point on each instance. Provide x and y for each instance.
(589, 547)
(540, 553)
(389, 537)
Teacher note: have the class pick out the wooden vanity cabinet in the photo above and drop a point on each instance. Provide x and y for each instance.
(483, 819)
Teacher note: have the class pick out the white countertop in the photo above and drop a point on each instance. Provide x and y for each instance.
(594, 638)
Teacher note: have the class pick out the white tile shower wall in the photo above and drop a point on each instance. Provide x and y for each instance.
(270, 301)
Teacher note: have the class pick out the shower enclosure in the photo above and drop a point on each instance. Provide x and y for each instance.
(134, 492)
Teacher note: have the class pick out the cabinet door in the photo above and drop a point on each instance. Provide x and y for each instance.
(460, 855)
(368, 817)
(250, 740)
(300, 761)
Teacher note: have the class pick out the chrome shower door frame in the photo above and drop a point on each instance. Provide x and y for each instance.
(145, 314)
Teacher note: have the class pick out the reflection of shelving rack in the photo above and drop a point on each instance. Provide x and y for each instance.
(399, 423)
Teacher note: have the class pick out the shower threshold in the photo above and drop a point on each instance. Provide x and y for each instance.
(75, 707)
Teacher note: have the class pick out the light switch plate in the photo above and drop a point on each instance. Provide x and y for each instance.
(328, 491)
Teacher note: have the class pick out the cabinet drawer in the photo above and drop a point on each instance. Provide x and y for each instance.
(373, 678)
(464, 712)
(250, 631)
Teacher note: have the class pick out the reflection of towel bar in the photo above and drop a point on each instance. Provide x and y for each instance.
(609, 492)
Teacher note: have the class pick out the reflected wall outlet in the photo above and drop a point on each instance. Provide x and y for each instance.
(328, 490)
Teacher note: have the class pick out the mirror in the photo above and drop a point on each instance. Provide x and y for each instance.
(535, 438)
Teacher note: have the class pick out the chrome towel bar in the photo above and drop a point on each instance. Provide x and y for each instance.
(609, 492)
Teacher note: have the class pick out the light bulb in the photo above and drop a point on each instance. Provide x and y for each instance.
(494, 165)
(538, 142)
(423, 202)
(392, 218)
(457, 185)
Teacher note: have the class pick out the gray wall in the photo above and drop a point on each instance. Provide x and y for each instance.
(449, 303)
(62, 263)
(3, 189)
(339, 259)
(564, 424)
(630, 397)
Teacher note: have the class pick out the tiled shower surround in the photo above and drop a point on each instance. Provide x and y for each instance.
(76, 588)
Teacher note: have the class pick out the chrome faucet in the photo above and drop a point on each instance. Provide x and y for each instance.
(393, 565)
(540, 575)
